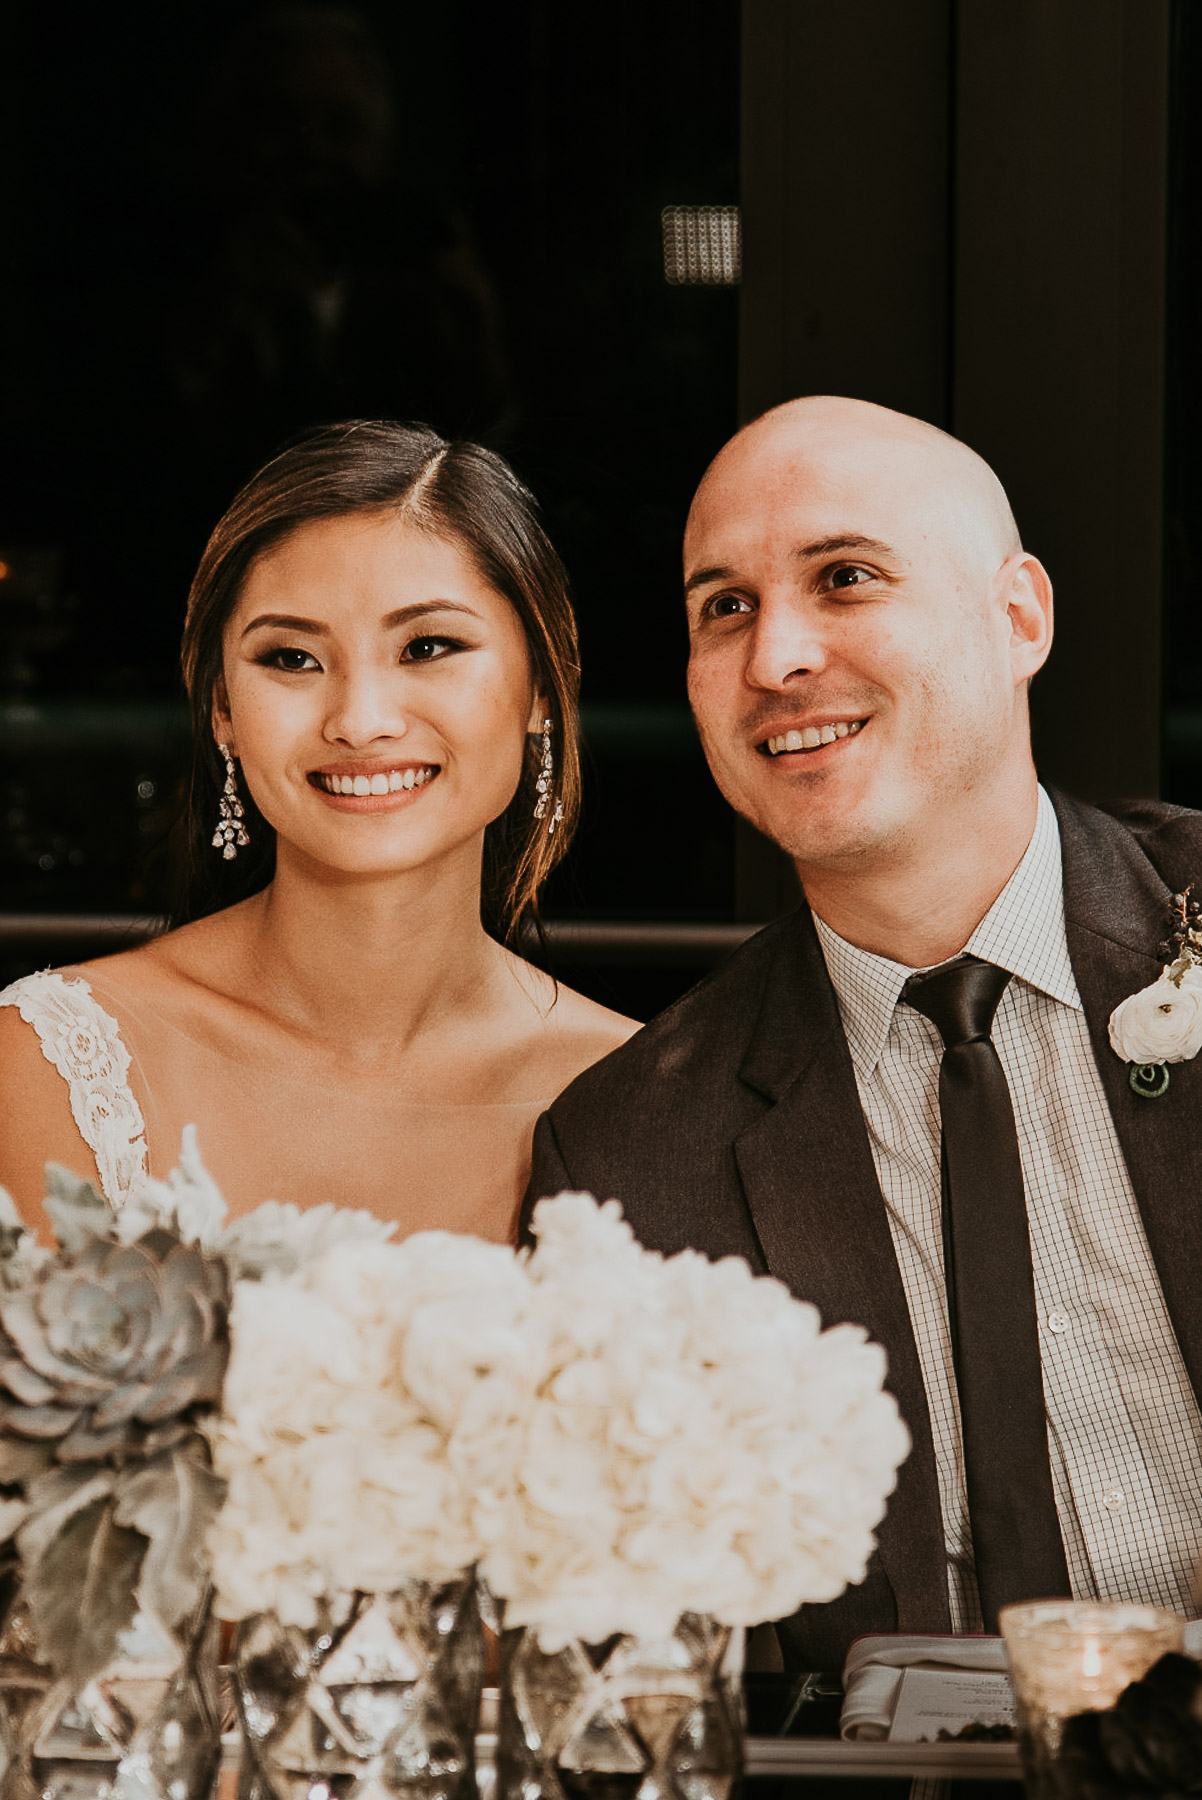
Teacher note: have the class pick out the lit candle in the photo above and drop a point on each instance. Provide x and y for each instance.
(1071, 1656)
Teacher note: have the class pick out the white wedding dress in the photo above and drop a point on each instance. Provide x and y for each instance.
(266, 1129)
(83, 1043)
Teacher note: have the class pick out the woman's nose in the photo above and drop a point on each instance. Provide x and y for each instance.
(786, 642)
(365, 706)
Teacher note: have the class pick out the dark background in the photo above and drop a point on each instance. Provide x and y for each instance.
(222, 221)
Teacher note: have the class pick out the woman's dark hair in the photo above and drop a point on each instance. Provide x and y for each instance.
(458, 491)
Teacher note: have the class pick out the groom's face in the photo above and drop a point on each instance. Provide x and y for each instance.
(853, 667)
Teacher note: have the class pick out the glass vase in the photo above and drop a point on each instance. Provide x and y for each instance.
(635, 1718)
(379, 1698)
(147, 1727)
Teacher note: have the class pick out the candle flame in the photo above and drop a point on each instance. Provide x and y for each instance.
(1091, 1658)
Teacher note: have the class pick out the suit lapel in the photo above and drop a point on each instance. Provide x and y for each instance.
(811, 1185)
(1115, 915)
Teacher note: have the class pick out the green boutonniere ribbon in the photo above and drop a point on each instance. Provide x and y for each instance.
(1149, 1080)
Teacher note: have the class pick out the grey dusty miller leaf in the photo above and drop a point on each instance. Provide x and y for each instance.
(83, 1590)
(172, 1501)
(54, 1497)
(77, 1212)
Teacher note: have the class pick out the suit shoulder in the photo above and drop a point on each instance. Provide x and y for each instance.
(1170, 836)
(707, 1028)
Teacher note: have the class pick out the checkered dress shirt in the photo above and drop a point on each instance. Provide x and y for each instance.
(1124, 1429)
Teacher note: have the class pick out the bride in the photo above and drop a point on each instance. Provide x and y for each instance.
(381, 661)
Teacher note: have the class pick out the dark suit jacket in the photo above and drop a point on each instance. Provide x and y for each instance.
(732, 1123)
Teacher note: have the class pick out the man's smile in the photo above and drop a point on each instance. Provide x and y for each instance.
(809, 737)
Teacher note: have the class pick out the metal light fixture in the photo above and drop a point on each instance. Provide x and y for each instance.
(703, 246)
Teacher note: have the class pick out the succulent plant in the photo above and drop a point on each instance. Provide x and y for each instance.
(105, 1352)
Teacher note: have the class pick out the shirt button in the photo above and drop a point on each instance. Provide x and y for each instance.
(1058, 1321)
(1112, 1499)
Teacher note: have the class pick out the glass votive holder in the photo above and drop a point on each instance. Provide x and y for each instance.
(1073, 1656)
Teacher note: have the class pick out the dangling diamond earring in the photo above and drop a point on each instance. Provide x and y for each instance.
(546, 782)
(230, 835)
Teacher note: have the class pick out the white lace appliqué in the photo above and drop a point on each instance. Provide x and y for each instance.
(83, 1043)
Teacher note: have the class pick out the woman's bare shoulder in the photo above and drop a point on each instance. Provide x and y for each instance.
(171, 962)
(574, 1032)
(591, 1022)
(36, 1123)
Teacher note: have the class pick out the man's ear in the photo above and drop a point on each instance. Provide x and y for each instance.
(1028, 595)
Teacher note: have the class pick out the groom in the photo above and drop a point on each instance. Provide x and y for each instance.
(960, 1163)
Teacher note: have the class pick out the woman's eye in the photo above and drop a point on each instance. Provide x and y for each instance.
(849, 576)
(428, 649)
(291, 661)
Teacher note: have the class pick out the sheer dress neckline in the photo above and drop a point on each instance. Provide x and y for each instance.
(279, 1069)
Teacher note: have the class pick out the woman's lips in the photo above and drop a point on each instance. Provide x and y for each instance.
(378, 781)
(383, 790)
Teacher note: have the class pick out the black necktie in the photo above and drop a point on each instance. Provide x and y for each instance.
(1017, 1547)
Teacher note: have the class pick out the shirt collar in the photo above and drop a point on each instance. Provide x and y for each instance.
(1023, 931)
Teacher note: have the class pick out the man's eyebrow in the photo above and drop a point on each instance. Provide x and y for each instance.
(839, 545)
(703, 577)
(843, 541)
(315, 628)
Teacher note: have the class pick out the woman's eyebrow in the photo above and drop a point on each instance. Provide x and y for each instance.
(314, 627)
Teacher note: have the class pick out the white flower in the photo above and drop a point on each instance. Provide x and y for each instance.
(345, 1384)
(279, 1239)
(1162, 1023)
(689, 1440)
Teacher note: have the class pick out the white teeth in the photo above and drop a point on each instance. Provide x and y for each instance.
(395, 781)
(811, 737)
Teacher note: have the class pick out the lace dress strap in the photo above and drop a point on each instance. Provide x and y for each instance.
(84, 1044)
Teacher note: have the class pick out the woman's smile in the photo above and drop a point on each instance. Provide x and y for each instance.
(375, 787)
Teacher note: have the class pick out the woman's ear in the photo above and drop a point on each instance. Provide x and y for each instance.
(540, 712)
(223, 725)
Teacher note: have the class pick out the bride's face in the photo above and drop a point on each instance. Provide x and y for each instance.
(377, 692)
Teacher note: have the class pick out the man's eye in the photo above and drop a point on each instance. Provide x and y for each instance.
(428, 649)
(725, 606)
(291, 661)
(849, 576)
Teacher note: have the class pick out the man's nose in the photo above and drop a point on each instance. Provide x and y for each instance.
(364, 706)
(785, 642)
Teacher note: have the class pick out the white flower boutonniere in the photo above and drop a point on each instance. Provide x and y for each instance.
(1162, 1024)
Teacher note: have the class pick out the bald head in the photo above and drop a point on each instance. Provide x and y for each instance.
(825, 441)
(863, 626)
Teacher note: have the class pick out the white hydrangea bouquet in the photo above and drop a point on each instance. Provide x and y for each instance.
(614, 1437)
(683, 1437)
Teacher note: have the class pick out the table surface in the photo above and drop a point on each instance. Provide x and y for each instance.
(809, 1757)
(831, 1756)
